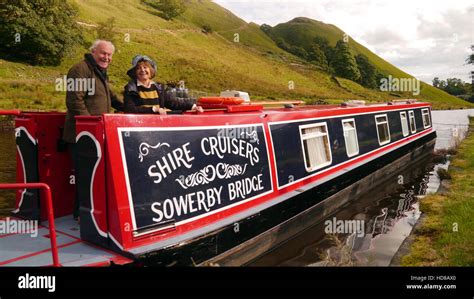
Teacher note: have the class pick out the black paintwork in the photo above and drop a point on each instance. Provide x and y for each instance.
(30, 206)
(87, 154)
(219, 241)
(143, 149)
(289, 153)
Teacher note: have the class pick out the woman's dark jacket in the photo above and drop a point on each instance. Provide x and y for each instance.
(138, 99)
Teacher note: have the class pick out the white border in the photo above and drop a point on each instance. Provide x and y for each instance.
(406, 122)
(377, 127)
(337, 116)
(412, 112)
(321, 124)
(345, 140)
(22, 163)
(99, 157)
(423, 119)
(127, 179)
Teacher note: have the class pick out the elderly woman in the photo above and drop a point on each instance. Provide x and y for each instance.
(142, 95)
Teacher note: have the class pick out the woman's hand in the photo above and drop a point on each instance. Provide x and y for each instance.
(197, 108)
(158, 109)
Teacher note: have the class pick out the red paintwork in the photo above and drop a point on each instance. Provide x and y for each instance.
(118, 212)
(111, 204)
(54, 168)
(10, 112)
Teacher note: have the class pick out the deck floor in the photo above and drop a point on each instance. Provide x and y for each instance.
(31, 249)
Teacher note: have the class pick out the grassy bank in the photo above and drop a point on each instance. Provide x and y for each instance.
(446, 235)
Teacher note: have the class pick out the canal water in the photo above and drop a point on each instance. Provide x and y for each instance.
(381, 219)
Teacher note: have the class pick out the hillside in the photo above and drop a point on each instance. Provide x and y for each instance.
(208, 63)
(301, 31)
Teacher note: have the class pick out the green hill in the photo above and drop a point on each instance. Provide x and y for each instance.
(236, 55)
(302, 31)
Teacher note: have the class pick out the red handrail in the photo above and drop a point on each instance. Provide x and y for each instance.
(46, 192)
(10, 112)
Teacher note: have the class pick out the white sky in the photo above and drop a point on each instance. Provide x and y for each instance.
(426, 38)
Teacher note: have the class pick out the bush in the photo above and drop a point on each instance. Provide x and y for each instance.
(206, 28)
(443, 174)
(169, 8)
(38, 32)
(106, 30)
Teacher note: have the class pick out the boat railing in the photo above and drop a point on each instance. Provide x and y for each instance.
(10, 112)
(46, 195)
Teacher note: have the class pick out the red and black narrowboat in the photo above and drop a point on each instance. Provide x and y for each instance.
(196, 188)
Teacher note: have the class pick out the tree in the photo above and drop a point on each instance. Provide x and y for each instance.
(436, 82)
(169, 8)
(317, 56)
(344, 63)
(282, 44)
(38, 32)
(455, 86)
(323, 44)
(367, 72)
(470, 60)
(299, 51)
(106, 30)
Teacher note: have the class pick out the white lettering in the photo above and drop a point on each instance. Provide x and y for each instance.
(242, 188)
(37, 282)
(187, 204)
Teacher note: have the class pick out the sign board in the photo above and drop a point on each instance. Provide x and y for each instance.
(180, 174)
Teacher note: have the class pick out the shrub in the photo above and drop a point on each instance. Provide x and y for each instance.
(38, 32)
(169, 8)
(206, 28)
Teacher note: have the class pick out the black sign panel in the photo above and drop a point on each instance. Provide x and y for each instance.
(178, 174)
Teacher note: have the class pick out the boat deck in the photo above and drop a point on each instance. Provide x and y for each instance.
(28, 249)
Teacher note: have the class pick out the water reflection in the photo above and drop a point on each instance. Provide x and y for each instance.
(389, 212)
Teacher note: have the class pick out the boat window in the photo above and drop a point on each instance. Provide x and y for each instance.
(316, 149)
(350, 137)
(403, 117)
(383, 130)
(426, 118)
(411, 115)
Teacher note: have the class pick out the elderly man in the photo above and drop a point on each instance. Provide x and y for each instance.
(90, 102)
(95, 101)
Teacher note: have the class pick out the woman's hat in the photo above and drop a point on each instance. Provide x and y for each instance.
(136, 60)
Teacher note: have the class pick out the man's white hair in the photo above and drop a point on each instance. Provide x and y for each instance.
(97, 42)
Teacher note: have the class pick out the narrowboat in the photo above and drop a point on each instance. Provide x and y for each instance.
(217, 187)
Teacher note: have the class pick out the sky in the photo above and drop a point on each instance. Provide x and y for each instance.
(425, 38)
